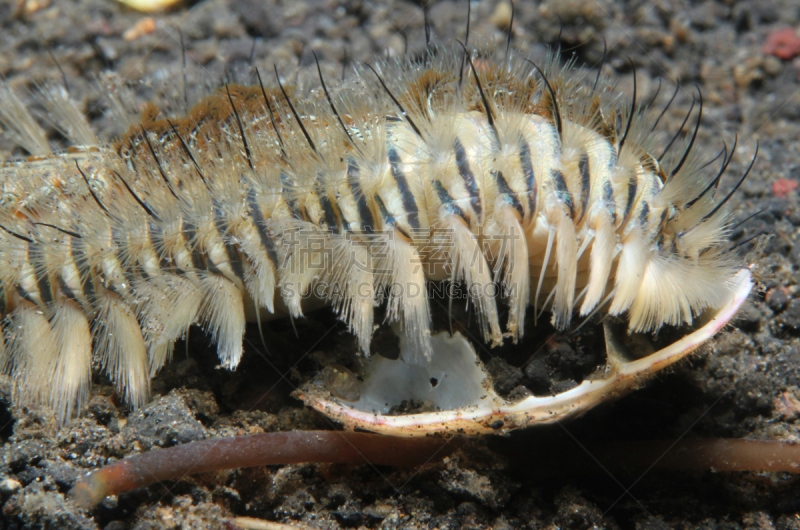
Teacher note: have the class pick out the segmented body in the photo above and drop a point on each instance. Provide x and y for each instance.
(258, 204)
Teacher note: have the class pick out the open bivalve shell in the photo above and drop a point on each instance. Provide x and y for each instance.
(458, 391)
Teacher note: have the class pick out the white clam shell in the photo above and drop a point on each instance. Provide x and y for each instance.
(455, 385)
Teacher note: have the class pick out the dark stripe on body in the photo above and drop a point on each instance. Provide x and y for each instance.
(644, 214)
(447, 201)
(231, 251)
(507, 193)
(39, 272)
(82, 264)
(663, 218)
(660, 230)
(25, 294)
(287, 184)
(65, 289)
(586, 181)
(609, 202)
(189, 232)
(364, 213)
(261, 227)
(633, 185)
(527, 172)
(409, 204)
(342, 219)
(562, 191)
(388, 218)
(464, 170)
(328, 214)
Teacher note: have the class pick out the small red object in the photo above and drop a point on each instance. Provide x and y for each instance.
(782, 43)
(783, 187)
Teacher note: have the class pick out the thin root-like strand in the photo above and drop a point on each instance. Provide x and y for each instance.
(720, 455)
(346, 447)
(635, 458)
(293, 447)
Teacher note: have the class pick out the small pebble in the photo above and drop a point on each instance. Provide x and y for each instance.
(341, 383)
(791, 316)
(777, 300)
(748, 318)
(772, 66)
(787, 406)
(9, 486)
(145, 26)
(783, 187)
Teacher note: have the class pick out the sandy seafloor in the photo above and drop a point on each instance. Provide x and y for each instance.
(745, 384)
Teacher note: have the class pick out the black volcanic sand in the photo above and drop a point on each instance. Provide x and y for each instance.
(745, 384)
